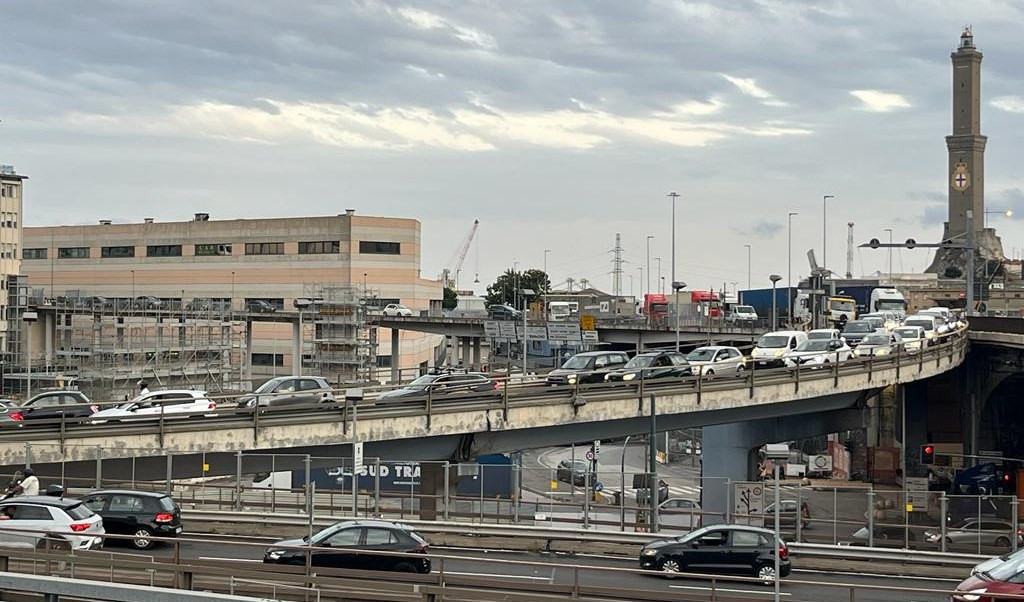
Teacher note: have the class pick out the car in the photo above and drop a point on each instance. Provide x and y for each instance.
(943, 325)
(144, 302)
(889, 319)
(913, 338)
(824, 333)
(173, 403)
(719, 549)
(771, 349)
(576, 472)
(649, 365)
(893, 533)
(1005, 579)
(209, 305)
(856, 330)
(679, 513)
(442, 386)
(502, 311)
(396, 309)
(587, 367)
(289, 391)
(742, 315)
(991, 563)
(819, 352)
(57, 522)
(716, 360)
(141, 514)
(259, 306)
(351, 537)
(876, 322)
(974, 532)
(789, 510)
(50, 405)
(878, 344)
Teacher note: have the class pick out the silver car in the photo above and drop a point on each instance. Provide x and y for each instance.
(975, 532)
(716, 360)
(58, 522)
(289, 391)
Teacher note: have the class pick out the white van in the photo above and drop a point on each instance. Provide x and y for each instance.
(773, 347)
(929, 323)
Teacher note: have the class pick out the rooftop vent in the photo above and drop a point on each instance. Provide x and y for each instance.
(147, 220)
(350, 212)
(202, 217)
(105, 222)
(7, 170)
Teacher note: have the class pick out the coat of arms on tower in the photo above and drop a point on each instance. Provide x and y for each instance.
(961, 179)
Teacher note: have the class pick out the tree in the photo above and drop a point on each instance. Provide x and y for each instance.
(450, 298)
(504, 288)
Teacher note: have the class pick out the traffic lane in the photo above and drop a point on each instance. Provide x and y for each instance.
(802, 585)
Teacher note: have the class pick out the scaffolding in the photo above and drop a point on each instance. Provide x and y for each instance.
(344, 346)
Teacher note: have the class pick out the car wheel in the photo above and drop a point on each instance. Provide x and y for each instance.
(740, 370)
(1002, 542)
(766, 573)
(53, 543)
(670, 565)
(710, 375)
(405, 567)
(141, 539)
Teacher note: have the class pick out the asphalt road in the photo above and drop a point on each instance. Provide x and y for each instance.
(529, 568)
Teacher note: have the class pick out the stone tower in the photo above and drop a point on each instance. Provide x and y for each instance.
(966, 146)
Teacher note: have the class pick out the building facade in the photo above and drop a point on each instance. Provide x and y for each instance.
(247, 263)
(11, 191)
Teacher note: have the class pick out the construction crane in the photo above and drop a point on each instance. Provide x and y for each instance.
(450, 274)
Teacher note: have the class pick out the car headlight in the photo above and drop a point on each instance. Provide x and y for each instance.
(974, 594)
(629, 376)
(882, 351)
(650, 552)
(570, 379)
(275, 554)
(778, 353)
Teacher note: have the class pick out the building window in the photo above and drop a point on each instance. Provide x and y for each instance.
(264, 248)
(109, 252)
(261, 304)
(383, 361)
(380, 248)
(211, 249)
(35, 253)
(163, 251)
(268, 359)
(9, 191)
(329, 246)
(381, 302)
(73, 253)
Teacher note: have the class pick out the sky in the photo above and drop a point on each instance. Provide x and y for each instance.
(556, 124)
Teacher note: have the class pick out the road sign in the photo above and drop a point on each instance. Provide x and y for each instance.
(507, 329)
(748, 503)
(564, 331)
(536, 333)
(590, 336)
(587, 322)
(492, 330)
(357, 455)
(599, 486)
(590, 455)
(917, 494)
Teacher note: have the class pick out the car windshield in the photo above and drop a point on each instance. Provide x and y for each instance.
(899, 305)
(1007, 571)
(908, 333)
(858, 327)
(640, 361)
(814, 345)
(841, 304)
(268, 386)
(876, 339)
(576, 362)
(167, 504)
(773, 341)
(704, 354)
(745, 309)
(79, 511)
(820, 334)
(421, 383)
(925, 323)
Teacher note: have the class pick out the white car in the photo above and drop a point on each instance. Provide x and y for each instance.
(773, 347)
(829, 334)
(929, 323)
(914, 339)
(819, 352)
(173, 403)
(38, 521)
(396, 309)
(878, 344)
(889, 319)
(742, 314)
(944, 326)
(709, 361)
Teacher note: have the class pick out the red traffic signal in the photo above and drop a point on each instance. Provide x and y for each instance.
(928, 454)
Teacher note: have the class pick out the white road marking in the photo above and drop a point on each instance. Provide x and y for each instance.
(499, 576)
(731, 591)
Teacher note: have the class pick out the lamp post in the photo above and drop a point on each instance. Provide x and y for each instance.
(232, 290)
(300, 304)
(649, 239)
(824, 231)
(889, 230)
(525, 292)
(546, 251)
(676, 287)
(748, 266)
(30, 318)
(789, 269)
(775, 310)
(661, 285)
(657, 261)
(674, 196)
(1007, 213)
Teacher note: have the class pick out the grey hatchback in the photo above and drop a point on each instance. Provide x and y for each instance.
(289, 391)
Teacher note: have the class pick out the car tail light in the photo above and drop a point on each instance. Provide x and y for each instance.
(16, 416)
(422, 549)
(212, 405)
(164, 517)
(94, 409)
(77, 527)
(783, 552)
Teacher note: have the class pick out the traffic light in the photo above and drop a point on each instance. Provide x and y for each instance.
(928, 454)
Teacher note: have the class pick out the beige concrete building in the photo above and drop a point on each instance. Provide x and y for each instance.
(11, 184)
(244, 261)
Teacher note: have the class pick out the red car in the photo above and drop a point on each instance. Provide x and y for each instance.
(1005, 579)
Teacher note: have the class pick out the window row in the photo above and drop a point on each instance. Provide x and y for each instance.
(324, 247)
(9, 219)
(9, 250)
(9, 191)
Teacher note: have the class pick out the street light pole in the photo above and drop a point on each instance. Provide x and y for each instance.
(546, 251)
(824, 231)
(675, 302)
(649, 239)
(748, 266)
(657, 260)
(889, 230)
(775, 310)
(789, 268)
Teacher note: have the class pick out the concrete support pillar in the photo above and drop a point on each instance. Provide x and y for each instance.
(476, 354)
(296, 349)
(396, 338)
(915, 399)
(248, 351)
(432, 490)
(728, 456)
(49, 327)
(465, 351)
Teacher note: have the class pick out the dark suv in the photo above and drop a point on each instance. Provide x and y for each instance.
(652, 364)
(577, 471)
(338, 546)
(141, 514)
(51, 405)
(501, 311)
(855, 331)
(725, 549)
(587, 367)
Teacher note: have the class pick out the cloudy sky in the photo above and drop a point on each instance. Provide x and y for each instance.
(556, 124)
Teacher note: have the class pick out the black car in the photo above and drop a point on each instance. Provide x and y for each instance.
(50, 405)
(141, 514)
(856, 330)
(443, 386)
(259, 306)
(145, 302)
(575, 471)
(501, 311)
(719, 549)
(587, 367)
(652, 364)
(339, 546)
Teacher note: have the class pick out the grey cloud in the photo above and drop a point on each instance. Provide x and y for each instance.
(763, 229)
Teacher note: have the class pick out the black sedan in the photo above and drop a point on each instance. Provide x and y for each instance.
(724, 549)
(501, 311)
(51, 406)
(441, 387)
(141, 514)
(341, 545)
(652, 364)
